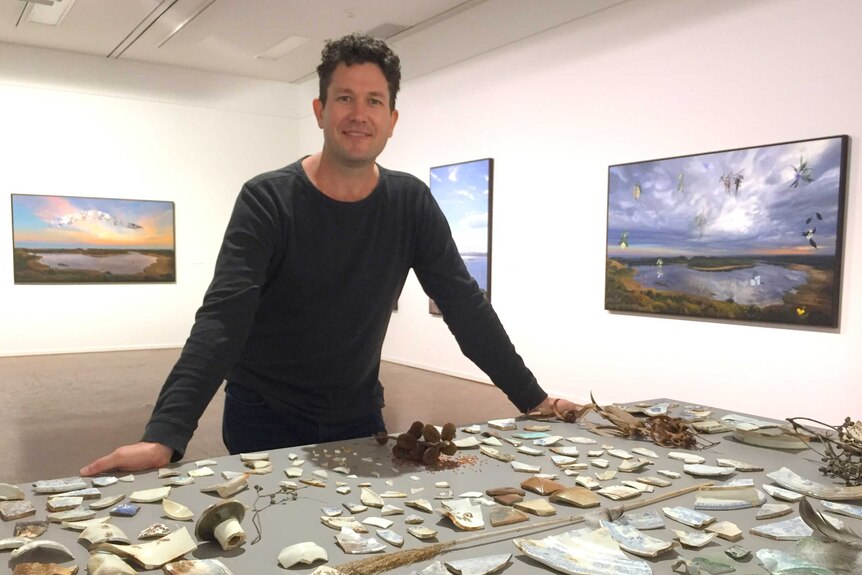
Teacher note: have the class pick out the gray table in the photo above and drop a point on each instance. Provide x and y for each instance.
(299, 520)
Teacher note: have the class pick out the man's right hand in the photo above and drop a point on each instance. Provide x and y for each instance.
(138, 457)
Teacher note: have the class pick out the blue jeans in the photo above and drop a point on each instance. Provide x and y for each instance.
(249, 425)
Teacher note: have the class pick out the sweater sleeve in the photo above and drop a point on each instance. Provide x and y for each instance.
(467, 312)
(222, 323)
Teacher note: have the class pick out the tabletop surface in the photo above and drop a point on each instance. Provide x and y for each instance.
(288, 521)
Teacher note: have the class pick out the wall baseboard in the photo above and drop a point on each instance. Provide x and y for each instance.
(437, 369)
(88, 350)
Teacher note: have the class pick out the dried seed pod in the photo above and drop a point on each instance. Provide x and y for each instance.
(416, 429)
(448, 448)
(417, 452)
(431, 455)
(401, 452)
(448, 433)
(381, 437)
(430, 433)
(406, 440)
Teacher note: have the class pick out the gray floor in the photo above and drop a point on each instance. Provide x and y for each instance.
(59, 412)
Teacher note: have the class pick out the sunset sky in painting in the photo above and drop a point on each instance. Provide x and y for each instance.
(74, 222)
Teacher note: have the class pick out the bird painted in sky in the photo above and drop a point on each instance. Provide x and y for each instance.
(809, 235)
(636, 192)
(680, 182)
(801, 173)
(732, 181)
(624, 240)
(817, 214)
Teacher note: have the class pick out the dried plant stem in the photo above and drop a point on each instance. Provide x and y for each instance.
(389, 561)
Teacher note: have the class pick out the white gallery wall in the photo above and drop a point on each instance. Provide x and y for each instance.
(77, 125)
(642, 80)
(639, 81)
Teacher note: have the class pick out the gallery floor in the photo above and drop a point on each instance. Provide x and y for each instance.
(59, 412)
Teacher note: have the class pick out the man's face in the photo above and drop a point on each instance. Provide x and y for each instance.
(356, 119)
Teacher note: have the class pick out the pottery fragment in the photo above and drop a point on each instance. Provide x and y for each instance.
(166, 472)
(781, 493)
(587, 482)
(11, 543)
(197, 567)
(619, 453)
(338, 522)
(420, 504)
(103, 563)
(125, 510)
(617, 492)
(737, 552)
(307, 553)
(332, 510)
(468, 442)
(228, 488)
(464, 514)
(150, 495)
(413, 519)
(154, 531)
(525, 467)
(538, 507)
(542, 486)
(12, 510)
(30, 529)
(501, 515)
(86, 493)
(480, 565)
(526, 450)
(63, 503)
(492, 441)
(156, 553)
(79, 514)
(40, 551)
(177, 511)
(10, 492)
(102, 533)
(422, 532)
(44, 569)
(577, 496)
(689, 458)
(581, 440)
(724, 498)
(637, 543)
(547, 441)
(496, 454)
(632, 466)
(355, 508)
(688, 516)
(645, 452)
(106, 502)
(222, 522)
(773, 510)
(583, 551)
(59, 485)
(260, 456)
(778, 562)
(701, 470)
(843, 509)
(654, 481)
(668, 473)
(81, 525)
(377, 522)
(642, 521)
(738, 465)
(787, 530)
(600, 463)
(790, 480)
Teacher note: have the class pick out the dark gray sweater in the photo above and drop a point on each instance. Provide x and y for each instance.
(303, 289)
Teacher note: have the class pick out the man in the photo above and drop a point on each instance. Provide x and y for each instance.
(313, 259)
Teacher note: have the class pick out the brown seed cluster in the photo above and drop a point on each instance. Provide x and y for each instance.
(424, 443)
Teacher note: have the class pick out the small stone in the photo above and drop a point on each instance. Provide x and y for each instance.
(737, 552)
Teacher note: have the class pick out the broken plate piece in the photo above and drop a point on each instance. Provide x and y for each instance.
(600, 463)
(542, 486)
(420, 504)
(177, 511)
(40, 551)
(566, 450)
(466, 442)
(843, 509)
(606, 475)
(688, 516)
(156, 553)
(377, 522)
(587, 482)
(583, 552)
(525, 467)
(690, 458)
(645, 452)
(59, 485)
(221, 522)
(781, 493)
(787, 530)
(154, 531)
(480, 565)
(501, 515)
(413, 519)
(422, 532)
(370, 498)
(338, 522)
(12, 510)
(526, 450)
(81, 525)
(106, 502)
(700, 470)
(726, 530)
(355, 508)
(580, 440)
(228, 488)
(150, 495)
(464, 514)
(619, 453)
(723, 498)
(631, 466)
(793, 481)
(79, 514)
(261, 456)
(391, 537)
(10, 492)
(637, 543)
(355, 544)
(538, 507)
(653, 480)
(496, 454)
(780, 562)
(197, 567)
(307, 553)
(642, 521)
(547, 441)
(738, 465)
(104, 563)
(503, 424)
(30, 529)
(577, 496)
(102, 533)
(125, 510)
(693, 539)
(617, 492)
(773, 510)
(781, 438)
(332, 510)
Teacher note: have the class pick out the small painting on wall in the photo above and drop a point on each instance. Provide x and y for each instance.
(70, 239)
(752, 234)
(464, 192)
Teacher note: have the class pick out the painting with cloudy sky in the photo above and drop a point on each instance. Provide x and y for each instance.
(463, 192)
(748, 234)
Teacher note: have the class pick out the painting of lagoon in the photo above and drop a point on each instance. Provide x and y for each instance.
(66, 239)
(752, 234)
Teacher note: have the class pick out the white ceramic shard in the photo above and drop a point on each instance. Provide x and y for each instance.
(467, 442)
(606, 475)
(580, 440)
(693, 539)
(154, 531)
(587, 482)
(413, 519)
(156, 553)
(726, 530)
(127, 478)
(393, 495)
(688, 516)
(547, 441)
(783, 494)
(11, 543)
(104, 481)
(563, 460)
(355, 508)
(420, 504)
(701, 470)
(370, 498)
(470, 495)
(307, 552)
(201, 472)
(40, 551)
(843, 509)
(293, 472)
(600, 463)
(496, 454)
(668, 473)
(525, 467)
(177, 511)
(79, 514)
(102, 533)
(617, 492)
(228, 488)
(320, 473)
(464, 514)
(150, 495)
(642, 487)
(565, 450)
(59, 485)
(619, 453)
(106, 502)
(654, 481)
(206, 462)
(378, 522)
(343, 489)
(422, 532)
(789, 530)
(738, 482)
(391, 537)
(179, 482)
(724, 498)
(738, 465)
(790, 480)
(472, 429)
(645, 452)
(244, 457)
(637, 543)
(104, 563)
(492, 441)
(197, 567)
(480, 565)
(526, 450)
(773, 510)
(685, 457)
(631, 466)
(63, 503)
(81, 525)
(166, 472)
(445, 494)
(583, 552)
(503, 424)
(642, 521)
(338, 522)
(332, 510)
(10, 492)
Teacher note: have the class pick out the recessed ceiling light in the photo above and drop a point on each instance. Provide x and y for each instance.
(49, 12)
(278, 51)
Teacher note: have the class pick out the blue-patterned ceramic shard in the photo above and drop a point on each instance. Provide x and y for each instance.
(583, 552)
(125, 510)
(635, 542)
(688, 516)
(503, 424)
(781, 493)
(59, 485)
(644, 520)
(694, 539)
(789, 530)
(480, 565)
(843, 509)
(355, 544)
(779, 562)
(657, 409)
(773, 510)
(547, 441)
(793, 481)
(391, 537)
(104, 481)
(727, 498)
(531, 435)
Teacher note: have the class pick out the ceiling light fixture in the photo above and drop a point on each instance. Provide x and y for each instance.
(279, 50)
(186, 22)
(48, 12)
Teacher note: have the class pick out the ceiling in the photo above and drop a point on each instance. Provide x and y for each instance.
(279, 39)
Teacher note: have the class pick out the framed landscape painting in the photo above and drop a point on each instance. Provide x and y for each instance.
(69, 239)
(752, 234)
(464, 192)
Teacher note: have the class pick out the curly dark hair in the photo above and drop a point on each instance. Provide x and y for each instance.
(359, 49)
